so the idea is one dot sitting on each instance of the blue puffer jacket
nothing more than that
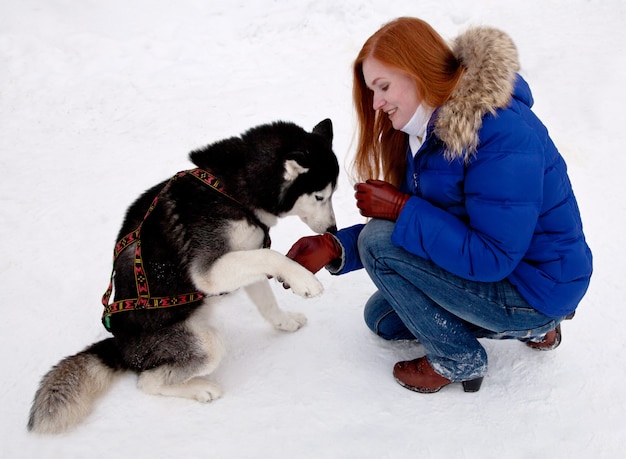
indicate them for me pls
(506, 212)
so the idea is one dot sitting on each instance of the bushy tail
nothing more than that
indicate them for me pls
(68, 391)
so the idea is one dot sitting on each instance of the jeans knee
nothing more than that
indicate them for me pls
(386, 323)
(371, 323)
(374, 239)
(391, 330)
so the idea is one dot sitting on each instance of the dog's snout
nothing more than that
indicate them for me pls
(332, 229)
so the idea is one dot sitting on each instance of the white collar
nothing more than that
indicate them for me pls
(416, 127)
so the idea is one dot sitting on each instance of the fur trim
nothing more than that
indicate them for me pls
(491, 65)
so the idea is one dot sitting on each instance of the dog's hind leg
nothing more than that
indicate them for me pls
(158, 382)
(188, 380)
(262, 296)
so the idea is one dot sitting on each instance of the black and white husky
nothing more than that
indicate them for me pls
(184, 243)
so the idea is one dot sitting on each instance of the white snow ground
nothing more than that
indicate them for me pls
(100, 100)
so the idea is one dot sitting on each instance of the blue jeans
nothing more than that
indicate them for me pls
(416, 299)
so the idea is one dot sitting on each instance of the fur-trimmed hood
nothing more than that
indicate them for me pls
(491, 65)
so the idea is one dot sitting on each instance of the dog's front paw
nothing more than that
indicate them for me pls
(290, 321)
(307, 288)
(305, 285)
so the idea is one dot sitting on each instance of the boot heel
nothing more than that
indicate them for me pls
(473, 385)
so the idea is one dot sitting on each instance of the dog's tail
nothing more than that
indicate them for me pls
(67, 393)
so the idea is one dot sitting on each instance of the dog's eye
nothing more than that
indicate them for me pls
(319, 198)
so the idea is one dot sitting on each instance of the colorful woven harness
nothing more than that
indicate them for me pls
(144, 300)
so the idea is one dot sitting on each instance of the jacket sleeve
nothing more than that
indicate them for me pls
(502, 188)
(350, 260)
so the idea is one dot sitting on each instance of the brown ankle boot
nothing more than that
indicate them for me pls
(417, 375)
(550, 340)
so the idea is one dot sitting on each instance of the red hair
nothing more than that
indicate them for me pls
(415, 48)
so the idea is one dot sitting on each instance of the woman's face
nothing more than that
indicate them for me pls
(395, 93)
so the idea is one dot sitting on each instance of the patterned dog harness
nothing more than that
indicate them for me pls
(144, 300)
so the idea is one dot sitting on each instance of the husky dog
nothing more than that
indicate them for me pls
(183, 243)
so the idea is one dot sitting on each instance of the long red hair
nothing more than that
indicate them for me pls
(414, 47)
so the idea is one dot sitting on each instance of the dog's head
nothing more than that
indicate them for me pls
(279, 168)
(310, 179)
(303, 171)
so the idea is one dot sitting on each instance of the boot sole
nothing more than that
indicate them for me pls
(473, 385)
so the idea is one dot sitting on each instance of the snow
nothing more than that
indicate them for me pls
(100, 100)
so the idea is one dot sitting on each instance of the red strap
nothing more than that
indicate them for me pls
(143, 299)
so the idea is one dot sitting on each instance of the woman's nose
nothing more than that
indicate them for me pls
(378, 103)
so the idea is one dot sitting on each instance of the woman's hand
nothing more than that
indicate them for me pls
(379, 199)
(315, 252)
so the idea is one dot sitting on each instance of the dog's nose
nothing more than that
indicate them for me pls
(332, 229)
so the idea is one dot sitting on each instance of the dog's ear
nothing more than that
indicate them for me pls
(293, 168)
(226, 151)
(325, 129)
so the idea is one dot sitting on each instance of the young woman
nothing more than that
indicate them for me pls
(474, 231)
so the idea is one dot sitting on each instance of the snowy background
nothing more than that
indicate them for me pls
(101, 99)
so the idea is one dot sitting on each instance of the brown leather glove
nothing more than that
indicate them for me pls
(315, 252)
(379, 199)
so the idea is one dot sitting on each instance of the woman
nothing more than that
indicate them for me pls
(474, 230)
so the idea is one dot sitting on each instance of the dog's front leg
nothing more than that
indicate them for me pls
(240, 268)
(263, 297)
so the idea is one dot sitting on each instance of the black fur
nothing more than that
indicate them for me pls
(190, 219)
(189, 227)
